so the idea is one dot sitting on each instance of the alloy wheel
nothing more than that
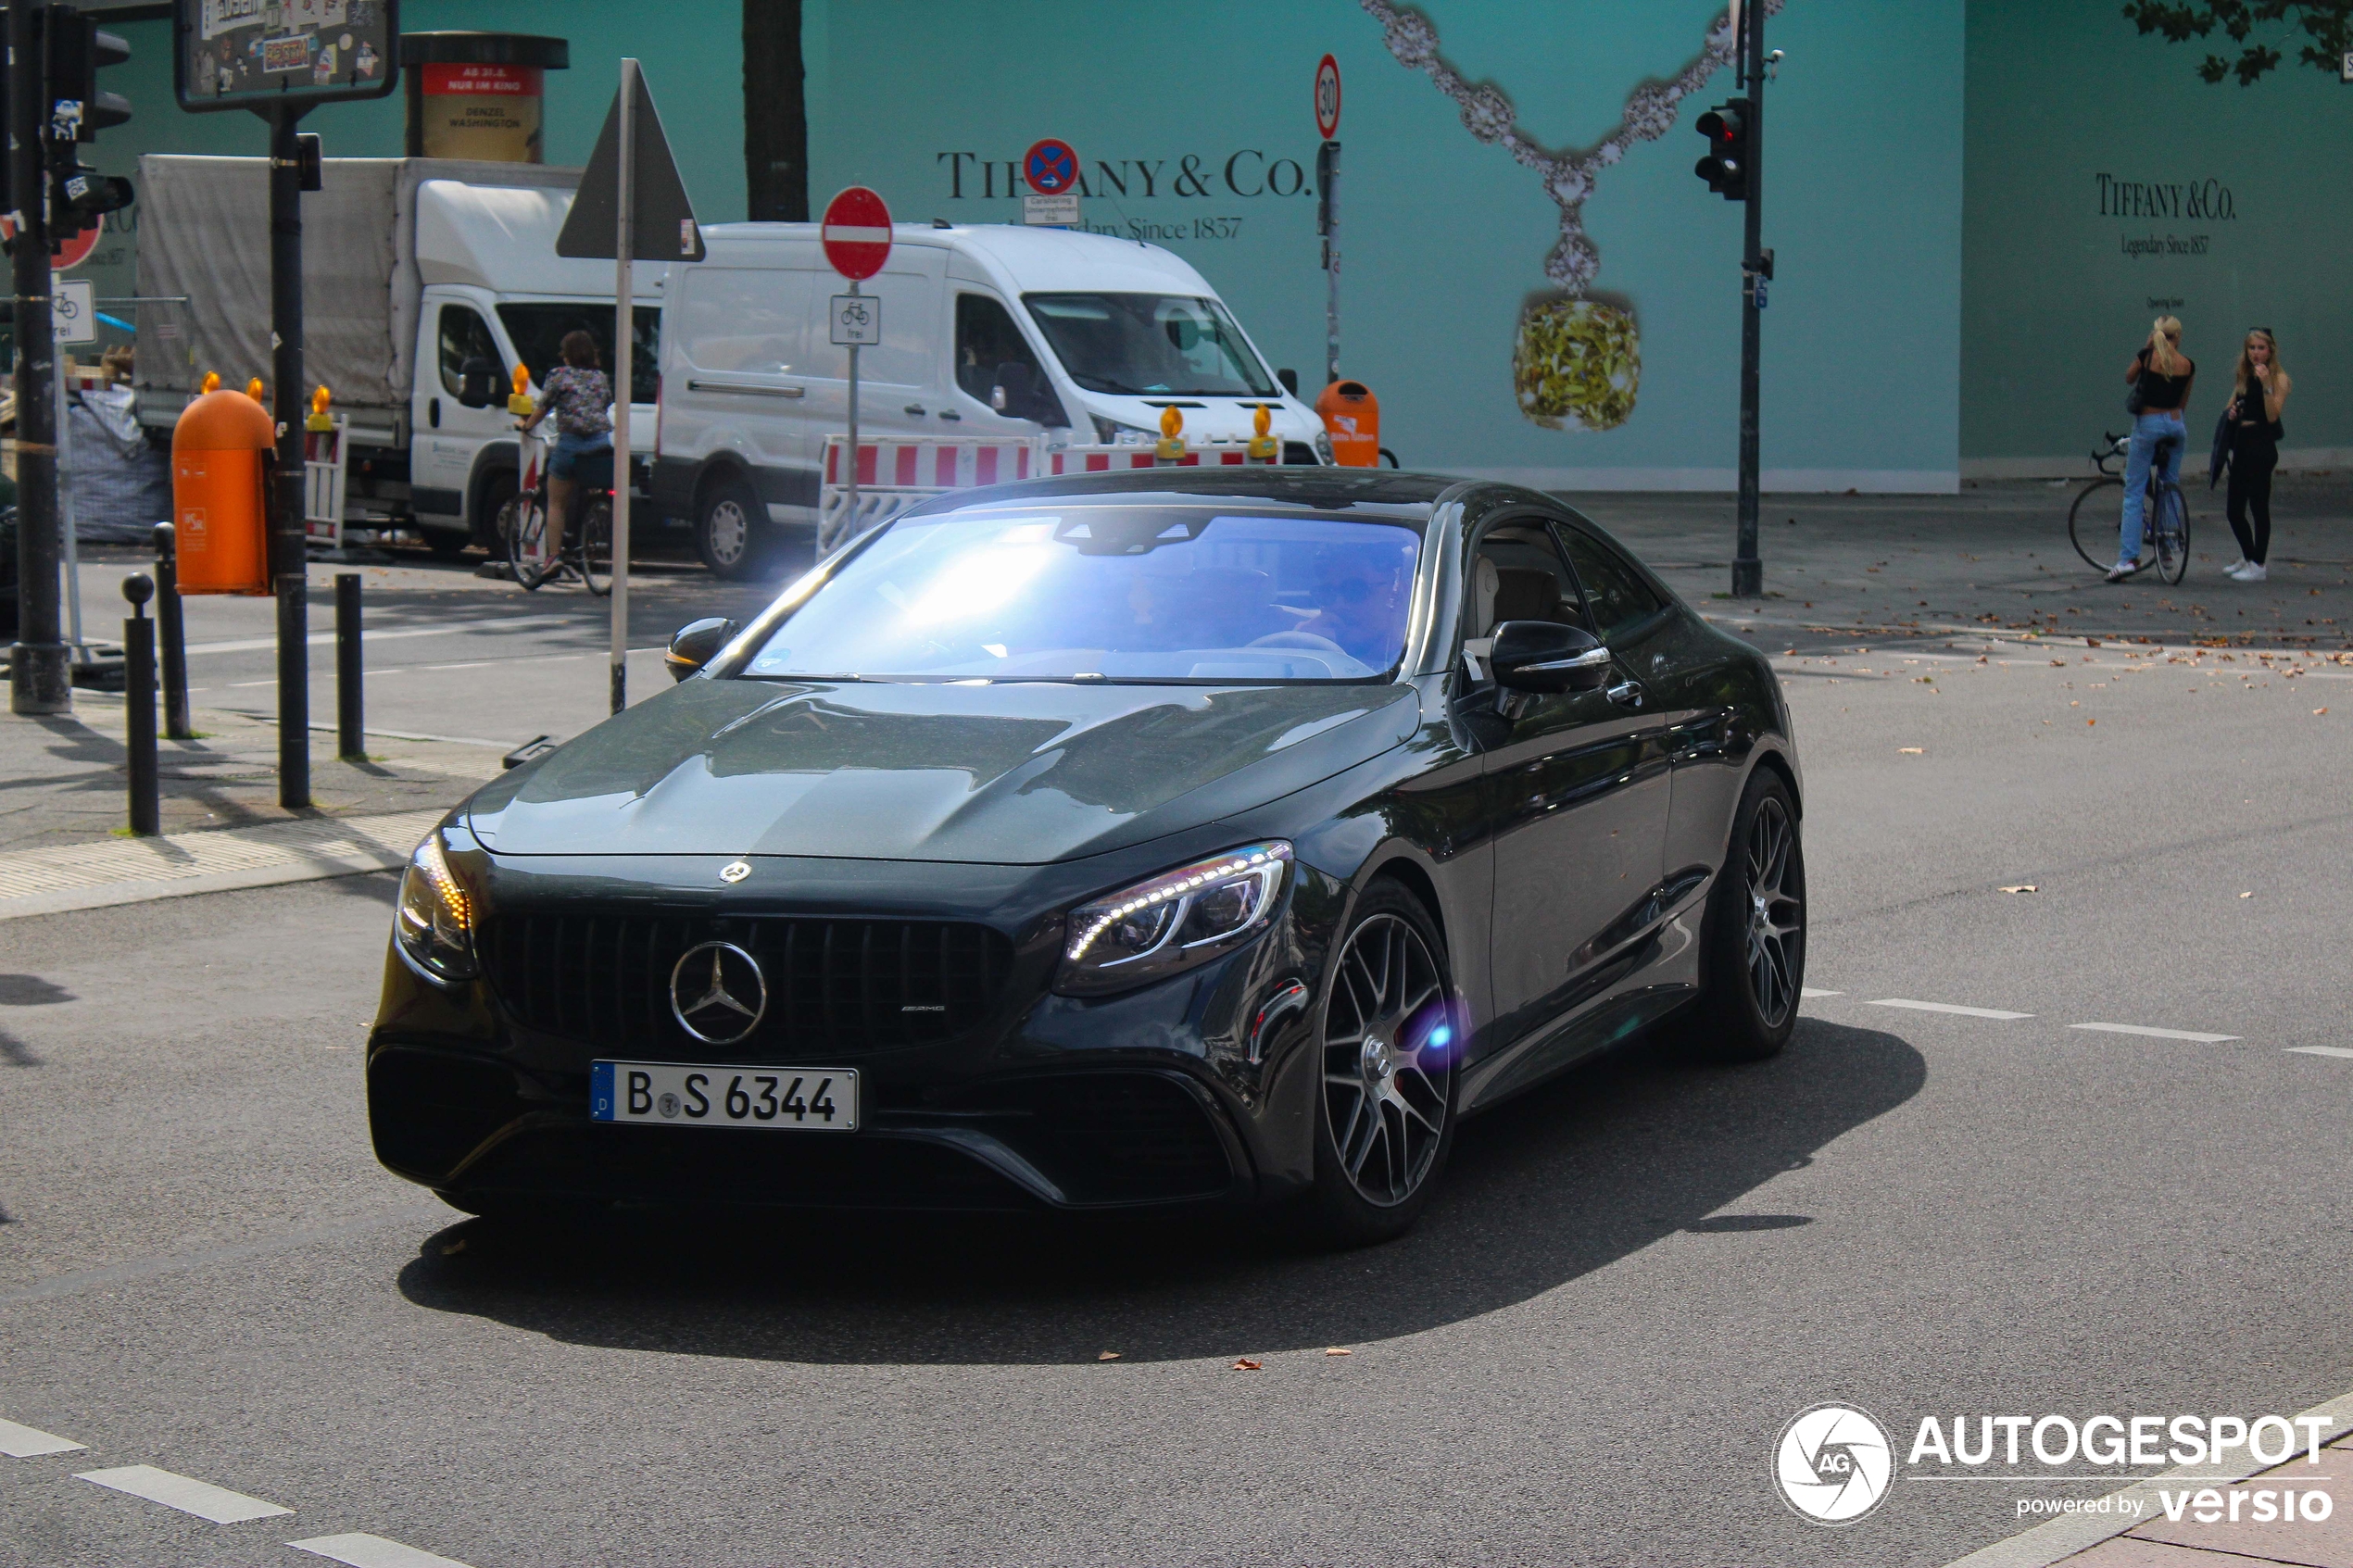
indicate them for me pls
(1389, 1056)
(1776, 890)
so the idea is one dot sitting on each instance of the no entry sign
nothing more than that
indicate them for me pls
(1051, 167)
(857, 232)
(1327, 97)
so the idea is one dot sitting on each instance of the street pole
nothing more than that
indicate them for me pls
(288, 554)
(849, 529)
(1748, 571)
(67, 531)
(40, 676)
(624, 337)
(1328, 189)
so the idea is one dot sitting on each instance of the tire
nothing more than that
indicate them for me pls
(2084, 529)
(1753, 951)
(596, 547)
(731, 524)
(523, 523)
(2171, 526)
(1385, 1115)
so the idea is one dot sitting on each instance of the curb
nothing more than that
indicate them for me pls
(133, 871)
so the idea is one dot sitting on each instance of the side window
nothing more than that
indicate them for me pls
(1618, 595)
(750, 320)
(985, 338)
(1518, 576)
(465, 336)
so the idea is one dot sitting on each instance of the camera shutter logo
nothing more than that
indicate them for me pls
(1833, 1464)
(717, 993)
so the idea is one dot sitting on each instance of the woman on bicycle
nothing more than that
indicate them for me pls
(2161, 375)
(2259, 391)
(578, 394)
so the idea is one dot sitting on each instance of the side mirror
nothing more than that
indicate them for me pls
(1542, 656)
(1013, 391)
(478, 383)
(696, 644)
(1289, 380)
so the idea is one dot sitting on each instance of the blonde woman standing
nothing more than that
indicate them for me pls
(2160, 376)
(2259, 391)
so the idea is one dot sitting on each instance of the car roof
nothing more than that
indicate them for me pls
(1321, 488)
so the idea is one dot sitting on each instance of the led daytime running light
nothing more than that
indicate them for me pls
(446, 885)
(1176, 885)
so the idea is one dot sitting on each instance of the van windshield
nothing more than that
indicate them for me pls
(1156, 594)
(538, 328)
(1138, 344)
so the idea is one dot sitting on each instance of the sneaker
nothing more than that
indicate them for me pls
(2253, 573)
(2235, 567)
(2121, 570)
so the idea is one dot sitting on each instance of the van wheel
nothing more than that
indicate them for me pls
(730, 529)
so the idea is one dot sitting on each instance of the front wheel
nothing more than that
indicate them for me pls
(2094, 530)
(2170, 521)
(1390, 1043)
(523, 523)
(1752, 956)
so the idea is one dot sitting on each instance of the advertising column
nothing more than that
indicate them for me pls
(478, 94)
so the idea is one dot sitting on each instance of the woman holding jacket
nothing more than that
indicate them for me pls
(2252, 423)
(2160, 376)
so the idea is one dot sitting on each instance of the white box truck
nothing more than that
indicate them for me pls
(425, 281)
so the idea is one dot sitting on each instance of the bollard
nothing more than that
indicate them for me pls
(351, 742)
(172, 635)
(139, 704)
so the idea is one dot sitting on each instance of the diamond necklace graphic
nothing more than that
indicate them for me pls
(1577, 364)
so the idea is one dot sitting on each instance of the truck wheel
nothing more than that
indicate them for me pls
(731, 527)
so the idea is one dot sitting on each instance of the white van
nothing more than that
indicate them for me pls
(987, 330)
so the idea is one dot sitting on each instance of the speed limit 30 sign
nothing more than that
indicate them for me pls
(1327, 97)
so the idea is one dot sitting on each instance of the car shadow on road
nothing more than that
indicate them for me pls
(1562, 1182)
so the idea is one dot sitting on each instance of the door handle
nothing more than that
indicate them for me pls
(1627, 694)
(916, 408)
(950, 414)
(698, 385)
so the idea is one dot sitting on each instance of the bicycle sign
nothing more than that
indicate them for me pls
(857, 318)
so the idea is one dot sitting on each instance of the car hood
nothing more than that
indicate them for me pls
(1015, 773)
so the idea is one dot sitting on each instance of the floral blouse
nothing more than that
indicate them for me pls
(580, 399)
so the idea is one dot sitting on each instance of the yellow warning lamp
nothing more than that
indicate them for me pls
(519, 405)
(253, 389)
(212, 382)
(1262, 446)
(320, 420)
(1172, 442)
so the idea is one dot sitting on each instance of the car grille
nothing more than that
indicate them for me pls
(833, 984)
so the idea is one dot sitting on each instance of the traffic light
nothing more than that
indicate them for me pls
(1725, 167)
(73, 52)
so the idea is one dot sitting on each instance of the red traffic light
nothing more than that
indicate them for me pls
(1724, 169)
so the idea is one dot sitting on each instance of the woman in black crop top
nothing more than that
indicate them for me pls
(2160, 376)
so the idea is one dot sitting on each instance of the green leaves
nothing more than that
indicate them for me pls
(2327, 23)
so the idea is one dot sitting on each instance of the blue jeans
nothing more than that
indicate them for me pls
(2147, 430)
(570, 448)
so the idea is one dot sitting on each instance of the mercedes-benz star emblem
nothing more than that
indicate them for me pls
(735, 872)
(717, 993)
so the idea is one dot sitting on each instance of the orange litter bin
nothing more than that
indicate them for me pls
(221, 451)
(1351, 417)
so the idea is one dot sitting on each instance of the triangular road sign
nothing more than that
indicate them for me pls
(664, 229)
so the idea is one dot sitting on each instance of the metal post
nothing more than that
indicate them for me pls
(351, 742)
(849, 529)
(39, 678)
(139, 705)
(625, 343)
(173, 630)
(67, 532)
(1327, 167)
(1748, 571)
(287, 564)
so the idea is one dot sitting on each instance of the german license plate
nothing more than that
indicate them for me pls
(671, 1094)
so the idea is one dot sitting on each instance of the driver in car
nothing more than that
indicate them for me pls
(1358, 605)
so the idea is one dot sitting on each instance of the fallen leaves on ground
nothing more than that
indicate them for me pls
(1245, 1363)
(1909, 750)
(1108, 1356)
(2023, 887)
(2247, 895)
(1337, 1350)
(2318, 711)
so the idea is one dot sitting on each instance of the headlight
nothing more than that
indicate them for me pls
(435, 921)
(1171, 922)
(1324, 446)
(1110, 433)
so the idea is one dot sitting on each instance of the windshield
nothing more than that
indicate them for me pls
(1136, 344)
(1108, 592)
(538, 330)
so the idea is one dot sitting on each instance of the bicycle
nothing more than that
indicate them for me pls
(587, 548)
(2166, 520)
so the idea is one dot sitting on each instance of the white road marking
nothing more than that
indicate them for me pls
(1811, 991)
(2155, 1033)
(2323, 1050)
(26, 1442)
(372, 1551)
(1947, 1006)
(477, 665)
(447, 628)
(200, 1498)
(236, 685)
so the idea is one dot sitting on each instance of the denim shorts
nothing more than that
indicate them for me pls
(570, 449)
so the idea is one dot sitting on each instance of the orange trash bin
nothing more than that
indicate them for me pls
(220, 461)
(1351, 417)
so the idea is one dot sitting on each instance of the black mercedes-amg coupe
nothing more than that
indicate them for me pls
(1173, 837)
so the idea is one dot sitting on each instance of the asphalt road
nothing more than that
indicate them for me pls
(1629, 1281)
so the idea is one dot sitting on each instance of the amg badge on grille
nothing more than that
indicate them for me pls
(735, 871)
